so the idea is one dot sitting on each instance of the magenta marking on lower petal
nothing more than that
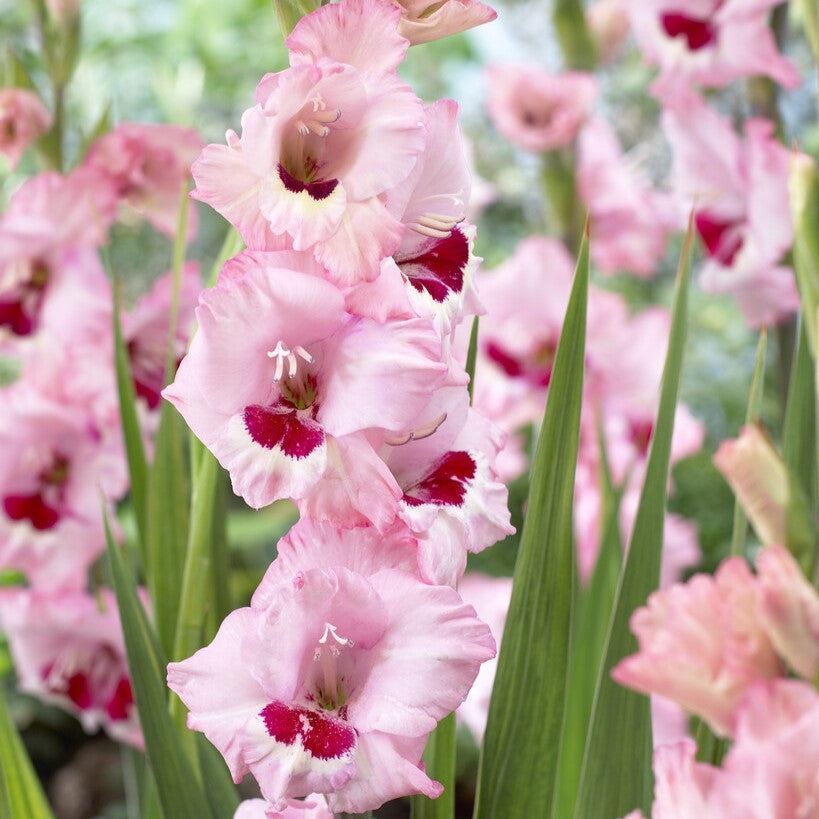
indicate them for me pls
(32, 508)
(119, 706)
(721, 238)
(316, 190)
(78, 690)
(323, 737)
(280, 426)
(14, 316)
(511, 366)
(641, 432)
(698, 33)
(440, 269)
(446, 484)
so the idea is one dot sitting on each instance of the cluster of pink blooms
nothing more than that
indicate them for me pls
(737, 183)
(721, 647)
(61, 448)
(323, 371)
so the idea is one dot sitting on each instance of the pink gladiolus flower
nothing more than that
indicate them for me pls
(536, 110)
(422, 21)
(50, 276)
(334, 682)
(631, 221)
(147, 166)
(430, 273)
(68, 650)
(145, 331)
(740, 191)
(708, 42)
(702, 644)
(23, 118)
(313, 807)
(325, 141)
(53, 463)
(280, 379)
(608, 25)
(772, 769)
(789, 608)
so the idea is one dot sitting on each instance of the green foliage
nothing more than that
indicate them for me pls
(439, 758)
(519, 762)
(617, 761)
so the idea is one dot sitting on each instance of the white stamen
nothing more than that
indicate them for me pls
(282, 354)
(318, 102)
(327, 116)
(431, 232)
(317, 128)
(416, 434)
(435, 225)
(302, 128)
(330, 631)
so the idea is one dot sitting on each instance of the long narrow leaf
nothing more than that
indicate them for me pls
(617, 763)
(740, 529)
(131, 432)
(177, 783)
(520, 753)
(20, 791)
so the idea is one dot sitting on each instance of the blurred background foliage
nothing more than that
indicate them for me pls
(196, 63)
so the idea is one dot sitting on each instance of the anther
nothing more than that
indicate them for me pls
(435, 225)
(330, 631)
(416, 434)
(282, 354)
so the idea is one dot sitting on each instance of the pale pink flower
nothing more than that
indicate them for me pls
(683, 787)
(23, 118)
(759, 478)
(325, 141)
(53, 464)
(772, 769)
(69, 650)
(452, 499)
(63, 10)
(702, 644)
(537, 110)
(669, 722)
(147, 166)
(490, 596)
(280, 379)
(708, 42)
(434, 261)
(313, 807)
(739, 189)
(422, 21)
(145, 331)
(789, 609)
(630, 220)
(333, 686)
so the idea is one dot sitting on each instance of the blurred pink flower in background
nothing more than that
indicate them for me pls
(630, 220)
(708, 42)
(422, 20)
(537, 110)
(147, 165)
(608, 25)
(739, 188)
(789, 608)
(68, 650)
(23, 118)
(702, 644)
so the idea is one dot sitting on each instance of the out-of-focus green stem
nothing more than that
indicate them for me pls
(573, 34)
(565, 210)
(439, 758)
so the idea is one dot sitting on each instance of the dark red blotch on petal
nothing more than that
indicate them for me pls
(78, 690)
(121, 700)
(33, 508)
(446, 484)
(440, 269)
(721, 238)
(322, 736)
(280, 426)
(316, 190)
(698, 33)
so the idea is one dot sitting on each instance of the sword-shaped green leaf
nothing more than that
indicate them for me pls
(616, 769)
(519, 761)
(177, 782)
(20, 791)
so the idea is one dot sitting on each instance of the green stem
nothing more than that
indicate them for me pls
(439, 758)
(576, 42)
